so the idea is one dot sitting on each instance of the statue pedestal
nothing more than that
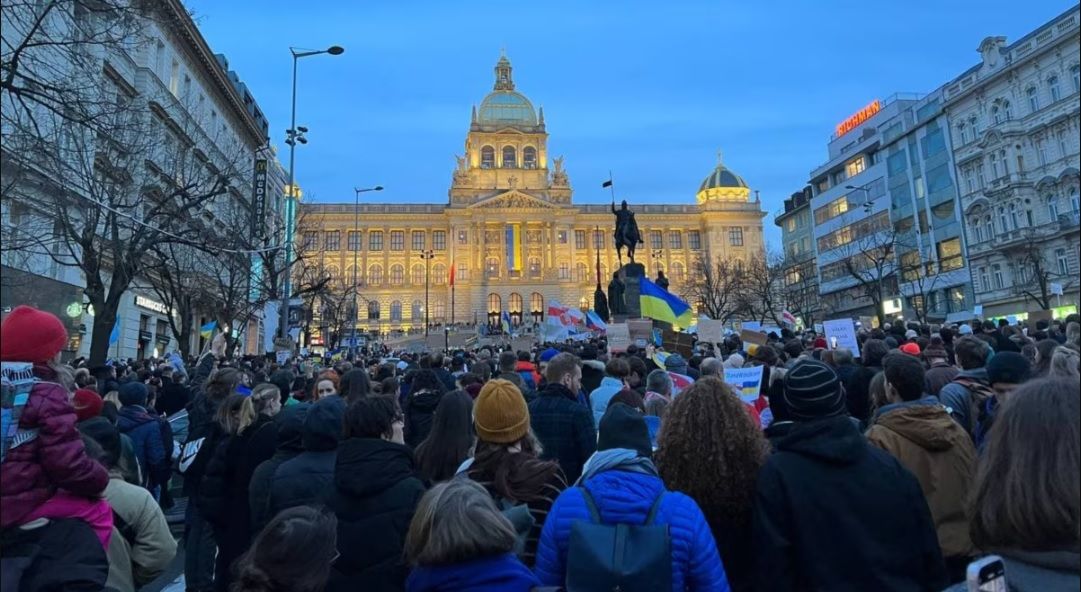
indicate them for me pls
(632, 274)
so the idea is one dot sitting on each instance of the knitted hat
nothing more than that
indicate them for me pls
(912, 349)
(935, 351)
(31, 335)
(676, 363)
(812, 390)
(820, 343)
(624, 427)
(132, 393)
(500, 414)
(548, 354)
(87, 404)
(1009, 368)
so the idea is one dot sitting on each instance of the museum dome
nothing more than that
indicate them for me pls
(506, 107)
(721, 177)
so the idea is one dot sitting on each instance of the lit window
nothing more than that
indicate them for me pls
(510, 159)
(487, 157)
(949, 254)
(418, 240)
(439, 240)
(397, 240)
(375, 241)
(529, 157)
(855, 167)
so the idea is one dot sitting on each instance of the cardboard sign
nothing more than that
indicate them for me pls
(710, 331)
(746, 381)
(755, 337)
(1037, 316)
(680, 343)
(640, 329)
(619, 337)
(842, 333)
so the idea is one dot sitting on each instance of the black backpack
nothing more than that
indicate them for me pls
(619, 557)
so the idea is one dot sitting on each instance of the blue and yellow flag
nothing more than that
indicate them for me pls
(662, 305)
(207, 329)
(336, 355)
(514, 247)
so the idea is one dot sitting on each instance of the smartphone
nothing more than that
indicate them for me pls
(987, 575)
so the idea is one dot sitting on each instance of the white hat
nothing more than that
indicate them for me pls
(965, 329)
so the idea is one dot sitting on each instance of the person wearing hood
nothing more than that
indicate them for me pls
(621, 482)
(917, 430)
(460, 541)
(151, 436)
(1026, 501)
(288, 444)
(305, 478)
(374, 494)
(562, 424)
(833, 512)
(419, 408)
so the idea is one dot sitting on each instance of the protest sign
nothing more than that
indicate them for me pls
(619, 337)
(750, 326)
(710, 330)
(755, 337)
(282, 356)
(640, 329)
(746, 381)
(842, 333)
(1037, 316)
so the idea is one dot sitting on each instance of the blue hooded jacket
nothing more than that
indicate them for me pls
(501, 573)
(626, 497)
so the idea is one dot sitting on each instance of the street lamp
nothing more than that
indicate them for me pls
(427, 255)
(294, 135)
(356, 250)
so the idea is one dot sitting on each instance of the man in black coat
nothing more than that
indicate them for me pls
(289, 445)
(562, 424)
(833, 512)
(305, 478)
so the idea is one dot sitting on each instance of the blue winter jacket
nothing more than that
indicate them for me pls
(625, 497)
(501, 573)
(602, 395)
(146, 435)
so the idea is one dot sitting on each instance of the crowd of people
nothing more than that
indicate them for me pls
(568, 466)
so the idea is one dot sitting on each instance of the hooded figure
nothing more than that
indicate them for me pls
(305, 478)
(290, 444)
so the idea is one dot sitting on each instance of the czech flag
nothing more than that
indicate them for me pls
(207, 329)
(663, 306)
(594, 321)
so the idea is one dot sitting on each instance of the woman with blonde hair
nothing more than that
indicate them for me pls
(252, 436)
(459, 540)
(710, 449)
(1065, 363)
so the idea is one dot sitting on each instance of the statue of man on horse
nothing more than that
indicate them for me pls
(626, 234)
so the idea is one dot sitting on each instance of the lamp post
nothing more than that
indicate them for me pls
(294, 135)
(427, 255)
(446, 339)
(356, 250)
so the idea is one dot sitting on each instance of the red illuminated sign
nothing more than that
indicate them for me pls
(858, 117)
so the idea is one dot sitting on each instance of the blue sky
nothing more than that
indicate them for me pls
(650, 91)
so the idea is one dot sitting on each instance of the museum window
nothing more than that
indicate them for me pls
(564, 271)
(735, 236)
(656, 239)
(675, 239)
(439, 309)
(463, 237)
(375, 275)
(495, 303)
(1053, 89)
(439, 240)
(417, 274)
(462, 273)
(677, 272)
(581, 272)
(529, 157)
(534, 267)
(579, 239)
(310, 239)
(439, 274)
(694, 240)
(333, 240)
(397, 275)
(373, 310)
(562, 237)
(353, 239)
(510, 159)
(416, 312)
(417, 239)
(396, 311)
(397, 240)
(487, 157)
(375, 240)
(491, 267)
(598, 239)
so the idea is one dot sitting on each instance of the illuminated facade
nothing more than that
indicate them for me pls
(510, 231)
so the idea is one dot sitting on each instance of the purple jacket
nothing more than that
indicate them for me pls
(54, 459)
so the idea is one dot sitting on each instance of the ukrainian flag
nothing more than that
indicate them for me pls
(208, 328)
(662, 305)
(514, 247)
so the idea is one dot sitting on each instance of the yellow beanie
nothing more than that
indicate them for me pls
(500, 414)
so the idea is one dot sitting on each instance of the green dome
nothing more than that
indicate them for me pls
(506, 107)
(722, 177)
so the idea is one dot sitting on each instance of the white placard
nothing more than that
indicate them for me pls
(710, 331)
(842, 333)
(619, 337)
(282, 356)
(977, 310)
(750, 326)
(746, 381)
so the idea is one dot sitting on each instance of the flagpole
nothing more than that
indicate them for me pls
(611, 186)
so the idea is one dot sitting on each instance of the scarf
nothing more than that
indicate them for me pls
(616, 459)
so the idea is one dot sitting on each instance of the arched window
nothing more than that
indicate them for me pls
(581, 272)
(439, 274)
(495, 303)
(397, 275)
(349, 278)
(974, 123)
(439, 310)
(536, 302)
(534, 267)
(1052, 207)
(417, 275)
(375, 275)
(677, 271)
(1053, 89)
(373, 310)
(996, 113)
(416, 313)
(529, 157)
(515, 302)
(487, 157)
(1033, 99)
(396, 311)
(510, 157)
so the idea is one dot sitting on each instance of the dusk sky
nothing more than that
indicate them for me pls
(649, 91)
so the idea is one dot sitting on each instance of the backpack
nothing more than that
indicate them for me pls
(619, 557)
(983, 421)
(17, 382)
(978, 394)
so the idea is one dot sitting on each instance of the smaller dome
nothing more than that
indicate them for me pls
(506, 107)
(722, 177)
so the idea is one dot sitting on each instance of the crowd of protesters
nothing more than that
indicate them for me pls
(563, 467)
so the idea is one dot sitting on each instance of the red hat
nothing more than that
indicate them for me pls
(31, 335)
(87, 404)
(911, 348)
(820, 343)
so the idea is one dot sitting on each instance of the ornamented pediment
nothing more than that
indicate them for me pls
(512, 199)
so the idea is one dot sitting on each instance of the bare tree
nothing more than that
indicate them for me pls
(715, 286)
(762, 293)
(870, 259)
(176, 279)
(1037, 274)
(919, 276)
(801, 292)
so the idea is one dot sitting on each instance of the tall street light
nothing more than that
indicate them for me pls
(427, 255)
(294, 135)
(356, 250)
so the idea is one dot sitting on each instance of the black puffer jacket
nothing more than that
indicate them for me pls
(290, 424)
(419, 412)
(306, 478)
(374, 497)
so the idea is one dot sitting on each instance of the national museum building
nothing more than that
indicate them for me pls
(511, 237)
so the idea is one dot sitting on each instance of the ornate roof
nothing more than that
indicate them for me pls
(722, 177)
(504, 106)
